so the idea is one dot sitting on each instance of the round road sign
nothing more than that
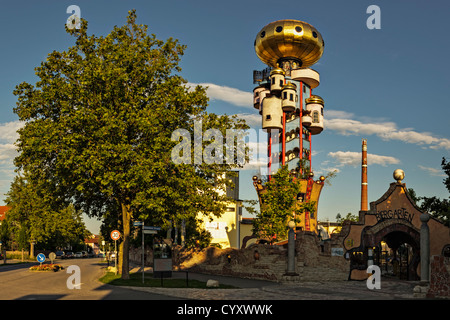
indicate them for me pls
(52, 256)
(40, 257)
(115, 234)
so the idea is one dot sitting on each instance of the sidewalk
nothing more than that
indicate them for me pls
(250, 289)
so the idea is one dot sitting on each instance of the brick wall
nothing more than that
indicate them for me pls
(314, 261)
(439, 277)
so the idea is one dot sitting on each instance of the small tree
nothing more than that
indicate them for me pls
(279, 205)
(438, 208)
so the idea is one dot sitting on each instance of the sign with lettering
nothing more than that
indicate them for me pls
(400, 213)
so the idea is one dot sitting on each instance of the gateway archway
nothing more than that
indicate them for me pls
(396, 250)
(388, 235)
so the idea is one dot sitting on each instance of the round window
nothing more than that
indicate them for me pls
(279, 29)
(263, 34)
(298, 29)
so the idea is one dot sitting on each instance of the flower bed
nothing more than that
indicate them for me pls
(47, 267)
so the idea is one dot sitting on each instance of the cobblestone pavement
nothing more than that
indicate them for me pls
(345, 290)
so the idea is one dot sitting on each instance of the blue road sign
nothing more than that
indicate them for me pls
(137, 223)
(40, 257)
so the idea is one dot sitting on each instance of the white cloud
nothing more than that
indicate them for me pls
(433, 171)
(253, 120)
(351, 158)
(231, 95)
(8, 131)
(339, 114)
(386, 131)
(7, 152)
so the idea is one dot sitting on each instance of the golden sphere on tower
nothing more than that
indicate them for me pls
(399, 175)
(289, 39)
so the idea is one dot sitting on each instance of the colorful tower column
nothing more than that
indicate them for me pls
(364, 200)
(290, 112)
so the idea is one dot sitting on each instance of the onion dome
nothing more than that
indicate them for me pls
(289, 40)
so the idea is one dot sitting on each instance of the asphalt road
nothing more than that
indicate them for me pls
(18, 283)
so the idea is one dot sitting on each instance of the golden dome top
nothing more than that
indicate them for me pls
(277, 71)
(289, 39)
(289, 85)
(314, 99)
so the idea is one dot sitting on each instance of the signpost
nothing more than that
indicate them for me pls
(40, 258)
(115, 235)
(52, 257)
(145, 230)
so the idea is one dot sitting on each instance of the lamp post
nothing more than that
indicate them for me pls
(424, 250)
(291, 250)
(238, 222)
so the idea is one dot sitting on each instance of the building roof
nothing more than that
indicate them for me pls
(92, 239)
(3, 210)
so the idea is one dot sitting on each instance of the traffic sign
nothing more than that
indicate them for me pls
(52, 256)
(137, 223)
(150, 231)
(152, 228)
(115, 234)
(40, 257)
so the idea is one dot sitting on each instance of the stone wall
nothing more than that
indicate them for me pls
(314, 261)
(439, 277)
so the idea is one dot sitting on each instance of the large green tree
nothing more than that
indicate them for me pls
(98, 130)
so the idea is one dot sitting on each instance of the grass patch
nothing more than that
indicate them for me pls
(136, 281)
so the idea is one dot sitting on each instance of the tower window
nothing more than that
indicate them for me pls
(291, 97)
(315, 118)
(281, 82)
(268, 117)
(285, 95)
(273, 80)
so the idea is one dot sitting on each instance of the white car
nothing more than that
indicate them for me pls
(78, 255)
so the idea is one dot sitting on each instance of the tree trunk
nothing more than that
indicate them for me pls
(124, 246)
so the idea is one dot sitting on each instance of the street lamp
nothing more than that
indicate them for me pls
(291, 249)
(238, 222)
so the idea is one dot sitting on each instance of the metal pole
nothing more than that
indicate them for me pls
(143, 252)
(424, 249)
(115, 256)
(291, 250)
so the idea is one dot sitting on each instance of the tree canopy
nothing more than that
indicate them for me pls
(279, 205)
(32, 217)
(98, 130)
(438, 208)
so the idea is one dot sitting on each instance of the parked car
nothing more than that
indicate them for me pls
(84, 253)
(78, 255)
(68, 254)
(59, 254)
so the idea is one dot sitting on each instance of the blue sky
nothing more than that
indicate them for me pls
(390, 86)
